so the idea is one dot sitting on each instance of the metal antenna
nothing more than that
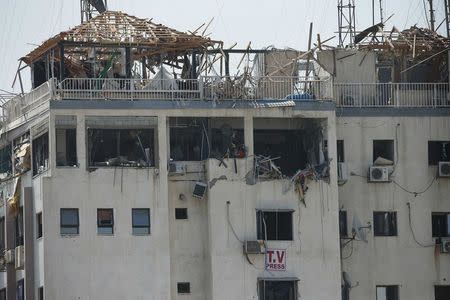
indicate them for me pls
(381, 12)
(432, 19)
(346, 22)
(447, 16)
(90, 8)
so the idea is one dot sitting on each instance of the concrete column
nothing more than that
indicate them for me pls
(29, 238)
(51, 142)
(10, 244)
(82, 155)
(248, 135)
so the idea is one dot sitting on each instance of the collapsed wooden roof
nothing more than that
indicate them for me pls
(114, 28)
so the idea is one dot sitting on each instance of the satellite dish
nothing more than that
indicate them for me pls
(347, 280)
(358, 229)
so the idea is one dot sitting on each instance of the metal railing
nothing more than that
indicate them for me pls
(392, 94)
(204, 88)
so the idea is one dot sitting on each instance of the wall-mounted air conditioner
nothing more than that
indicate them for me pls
(444, 169)
(252, 247)
(445, 246)
(379, 174)
(342, 172)
(177, 168)
(199, 190)
(9, 256)
(19, 257)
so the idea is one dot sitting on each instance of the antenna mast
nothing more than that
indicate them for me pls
(90, 8)
(447, 16)
(346, 22)
(432, 19)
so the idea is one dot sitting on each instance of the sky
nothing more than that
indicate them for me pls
(281, 23)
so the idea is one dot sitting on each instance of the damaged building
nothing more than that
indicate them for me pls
(160, 164)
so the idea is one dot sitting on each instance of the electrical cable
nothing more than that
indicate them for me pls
(229, 223)
(396, 158)
(412, 231)
(415, 193)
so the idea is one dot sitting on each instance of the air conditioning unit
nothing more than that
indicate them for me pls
(177, 168)
(342, 172)
(19, 257)
(445, 246)
(252, 247)
(444, 169)
(379, 174)
(199, 190)
(9, 256)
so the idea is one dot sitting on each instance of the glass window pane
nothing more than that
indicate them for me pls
(141, 230)
(69, 230)
(381, 293)
(104, 230)
(69, 217)
(141, 217)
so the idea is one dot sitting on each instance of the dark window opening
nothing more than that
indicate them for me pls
(20, 290)
(141, 221)
(288, 145)
(5, 160)
(121, 147)
(41, 293)
(70, 221)
(194, 139)
(39, 225)
(66, 147)
(383, 149)
(39, 73)
(385, 223)
(442, 292)
(105, 221)
(274, 225)
(343, 231)
(3, 294)
(184, 287)
(345, 292)
(388, 292)
(19, 227)
(438, 151)
(2, 234)
(340, 151)
(40, 154)
(181, 213)
(277, 290)
(440, 224)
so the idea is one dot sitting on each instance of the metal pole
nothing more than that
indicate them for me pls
(373, 12)
(432, 20)
(447, 13)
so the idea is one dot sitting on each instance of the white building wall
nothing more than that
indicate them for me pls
(397, 260)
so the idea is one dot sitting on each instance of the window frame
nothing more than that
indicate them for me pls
(394, 224)
(109, 226)
(185, 284)
(181, 213)
(439, 286)
(446, 216)
(66, 129)
(263, 235)
(39, 225)
(389, 286)
(261, 287)
(61, 225)
(133, 226)
(431, 160)
(392, 144)
(343, 231)
(340, 151)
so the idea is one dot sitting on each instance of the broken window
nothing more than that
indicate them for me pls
(438, 151)
(385, 223)
(70, 221)
(440, 224)
(340, 151)
(442, 292)
(383, 149)
(141, 221)
(19, 227)
(196, 139)
(293, 144)
(181, 213)
(121, 147)
(277, 289)
(274, 225)
(105, 221)
(388, 292)
(66, 147)
(343, 223)
(40, 154)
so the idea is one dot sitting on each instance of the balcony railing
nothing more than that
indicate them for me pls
(204, 88)
(392, 94)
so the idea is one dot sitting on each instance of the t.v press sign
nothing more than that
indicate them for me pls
(275, 260)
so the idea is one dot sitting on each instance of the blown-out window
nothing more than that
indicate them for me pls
(274, 225)
(385, 223)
